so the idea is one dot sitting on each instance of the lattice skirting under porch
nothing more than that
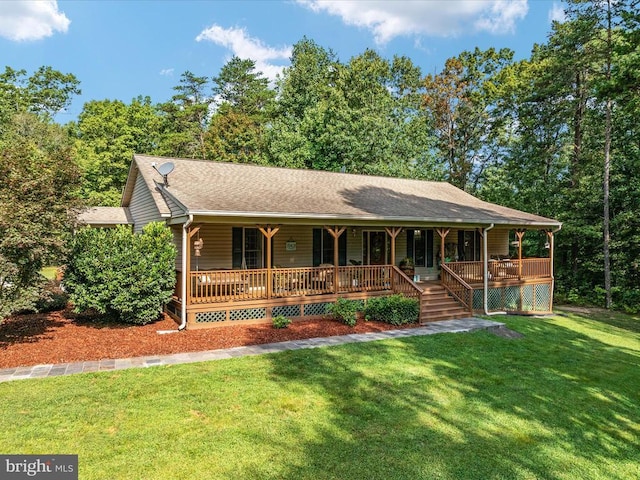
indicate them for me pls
(233, 313)
(242, 315)
(528, 298)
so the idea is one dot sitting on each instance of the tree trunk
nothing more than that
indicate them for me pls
(607, 167)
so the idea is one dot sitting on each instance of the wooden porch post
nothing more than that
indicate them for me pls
(393, 232)
(268, 232)
(550, 237)
(520, 234)
(335, 232)
(192, 232)
(443, 235)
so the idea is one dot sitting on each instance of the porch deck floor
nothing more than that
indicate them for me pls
(51, 370)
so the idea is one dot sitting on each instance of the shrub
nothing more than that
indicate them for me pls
(124, 275)
(346, 311)
(396, 310)
(52, 298)
(280, 321)
(629, 301)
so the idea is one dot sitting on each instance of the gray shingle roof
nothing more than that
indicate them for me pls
(98, 216)
(216, 188)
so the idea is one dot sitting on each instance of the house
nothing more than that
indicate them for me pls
(256, 242)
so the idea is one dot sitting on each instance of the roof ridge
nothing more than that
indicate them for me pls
(278, 167)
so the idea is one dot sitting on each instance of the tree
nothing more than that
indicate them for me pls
(243, 102)
(46, 92)
(108, 133)
(302, 87)
(461, 103)
(359, 117)
(185, 119)
(38, 191)
(569, 102)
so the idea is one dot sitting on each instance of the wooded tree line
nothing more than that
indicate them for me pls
(555, 134)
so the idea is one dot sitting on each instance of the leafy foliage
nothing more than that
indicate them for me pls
(346, 311)
(107, 134)
(38, 181)
(395, 309)
(280, 321)
(462, 103)
(46, 92)
(124, 275)
(184, 119)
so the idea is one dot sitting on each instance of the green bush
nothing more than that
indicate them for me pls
(346, 311)
(52, 298)
(396, 310)
(628, 301)
(120, 274)
(280, 321)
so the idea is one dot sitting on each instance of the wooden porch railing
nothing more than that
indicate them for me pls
(457, 287)
(211, 286)
(404, 285)
(528, 268)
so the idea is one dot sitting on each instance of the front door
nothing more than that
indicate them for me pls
(375, 248)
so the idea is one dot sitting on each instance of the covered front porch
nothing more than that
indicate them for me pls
(221, 295)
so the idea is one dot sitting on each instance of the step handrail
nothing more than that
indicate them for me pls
(457, 287)
(405, 285)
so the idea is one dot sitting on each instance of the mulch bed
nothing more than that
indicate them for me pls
(63, 337)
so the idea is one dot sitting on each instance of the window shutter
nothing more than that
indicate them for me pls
(236, 247)
(317, 246)
(410, 243)
(342, 249)
(429, 253)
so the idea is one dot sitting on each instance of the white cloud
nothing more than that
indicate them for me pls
(246, 47)
(166, 72)
(387, 20)
(31, 20)
(556, 14)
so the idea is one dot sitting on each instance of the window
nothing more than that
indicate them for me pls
(376, 249)
(420, 247)
(323, 247)
(469, 246)
(247, 248)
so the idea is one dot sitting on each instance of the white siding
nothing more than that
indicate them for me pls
(177, 241)
(303, 254)
(176, 210)
(498, 242)
(142, 207)
(216, 250)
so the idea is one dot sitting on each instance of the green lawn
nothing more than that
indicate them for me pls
(561, 403)
(49, 272)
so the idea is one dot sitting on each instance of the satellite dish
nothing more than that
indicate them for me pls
(165, 169)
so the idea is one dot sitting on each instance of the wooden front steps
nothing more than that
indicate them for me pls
(436, 304)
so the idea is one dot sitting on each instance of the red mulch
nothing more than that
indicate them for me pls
(63, 337)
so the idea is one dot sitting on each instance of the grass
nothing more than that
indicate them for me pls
(561, 403)
(49, 272)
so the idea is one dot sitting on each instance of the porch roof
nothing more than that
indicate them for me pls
(105, 216)
(210, 188)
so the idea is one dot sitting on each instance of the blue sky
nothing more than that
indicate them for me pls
(122, 49)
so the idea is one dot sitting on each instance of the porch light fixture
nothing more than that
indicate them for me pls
(197, 246)
(547, 245)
